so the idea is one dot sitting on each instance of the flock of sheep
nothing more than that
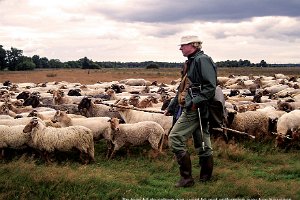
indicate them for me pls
(61, 116)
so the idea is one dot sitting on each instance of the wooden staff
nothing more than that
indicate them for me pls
(234, 131)
(132, 108)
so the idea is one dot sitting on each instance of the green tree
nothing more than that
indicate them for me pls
(85, 63)
(55, 63)
(44, 62)
(26, 64)
(263, 64)
(2, 58)
(14, 57)
(36, 60)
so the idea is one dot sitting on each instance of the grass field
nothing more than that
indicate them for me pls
(243, 170)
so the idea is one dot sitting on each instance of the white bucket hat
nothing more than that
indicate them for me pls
(189, 39)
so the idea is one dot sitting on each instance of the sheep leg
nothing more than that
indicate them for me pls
(2, 154)
(112, 154)
(83, 158)
(162, 143)
(109, 148)
(46, 157)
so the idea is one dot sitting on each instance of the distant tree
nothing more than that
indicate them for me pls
(36, 60)
(26, 64)
(152, 66)
(14, 57)
(263, 64)
(44, 62)
(72, 64)
(2, 58)
(85, 63)
(55, 63)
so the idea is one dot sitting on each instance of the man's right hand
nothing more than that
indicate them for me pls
(167, 113)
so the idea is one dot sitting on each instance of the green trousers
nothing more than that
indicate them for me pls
(188, 126)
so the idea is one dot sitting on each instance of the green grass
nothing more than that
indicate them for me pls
(240, 171)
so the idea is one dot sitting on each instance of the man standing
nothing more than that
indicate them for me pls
(196, 89)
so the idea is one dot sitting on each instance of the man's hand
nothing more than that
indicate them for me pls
(194, 107)
(167, 113)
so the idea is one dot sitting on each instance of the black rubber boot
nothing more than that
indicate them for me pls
(207, 164)
(185, 168)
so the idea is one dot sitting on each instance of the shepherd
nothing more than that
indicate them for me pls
(197, 88)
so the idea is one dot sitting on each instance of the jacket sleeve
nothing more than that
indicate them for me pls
(208, 80)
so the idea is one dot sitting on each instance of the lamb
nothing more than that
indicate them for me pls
(97, 124)
(287, 122)
(49, 139)
(135, 134)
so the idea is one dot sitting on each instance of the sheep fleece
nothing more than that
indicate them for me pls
(138, 133)
(63, 139)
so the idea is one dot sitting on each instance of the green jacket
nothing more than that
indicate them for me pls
(201, 71)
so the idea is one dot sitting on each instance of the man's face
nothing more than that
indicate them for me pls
(187, 49)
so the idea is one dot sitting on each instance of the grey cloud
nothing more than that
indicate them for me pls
(206, 10)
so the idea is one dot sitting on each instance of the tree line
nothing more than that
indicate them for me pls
(14, 60)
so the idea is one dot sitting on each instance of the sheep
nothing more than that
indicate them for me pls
(89, 109)
(134, 116)
(96, 124)
(288, 121)
(288, 127)
(49, 139)
(18, 110)
(135, 134)
(288, 106)
(252, 122)
(135, 82)
(13, 137)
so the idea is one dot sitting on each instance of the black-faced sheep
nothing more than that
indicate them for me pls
(49, 139)
(89, 109)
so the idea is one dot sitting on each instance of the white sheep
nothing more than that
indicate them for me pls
(96, 124)
(48, 139)
(134, 134)
(288, 121)
(286, 125)
(134, 116)
(13, 137)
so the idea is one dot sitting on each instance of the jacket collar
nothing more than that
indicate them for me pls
(193, 55)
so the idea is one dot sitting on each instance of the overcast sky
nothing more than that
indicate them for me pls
(150, 30)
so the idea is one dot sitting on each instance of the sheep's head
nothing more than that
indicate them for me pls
(122, 104)
(58, 116)
(84, 103)
(134, 100)
(4, 109)
(33, 113)
(114, 123)
(33, 123)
